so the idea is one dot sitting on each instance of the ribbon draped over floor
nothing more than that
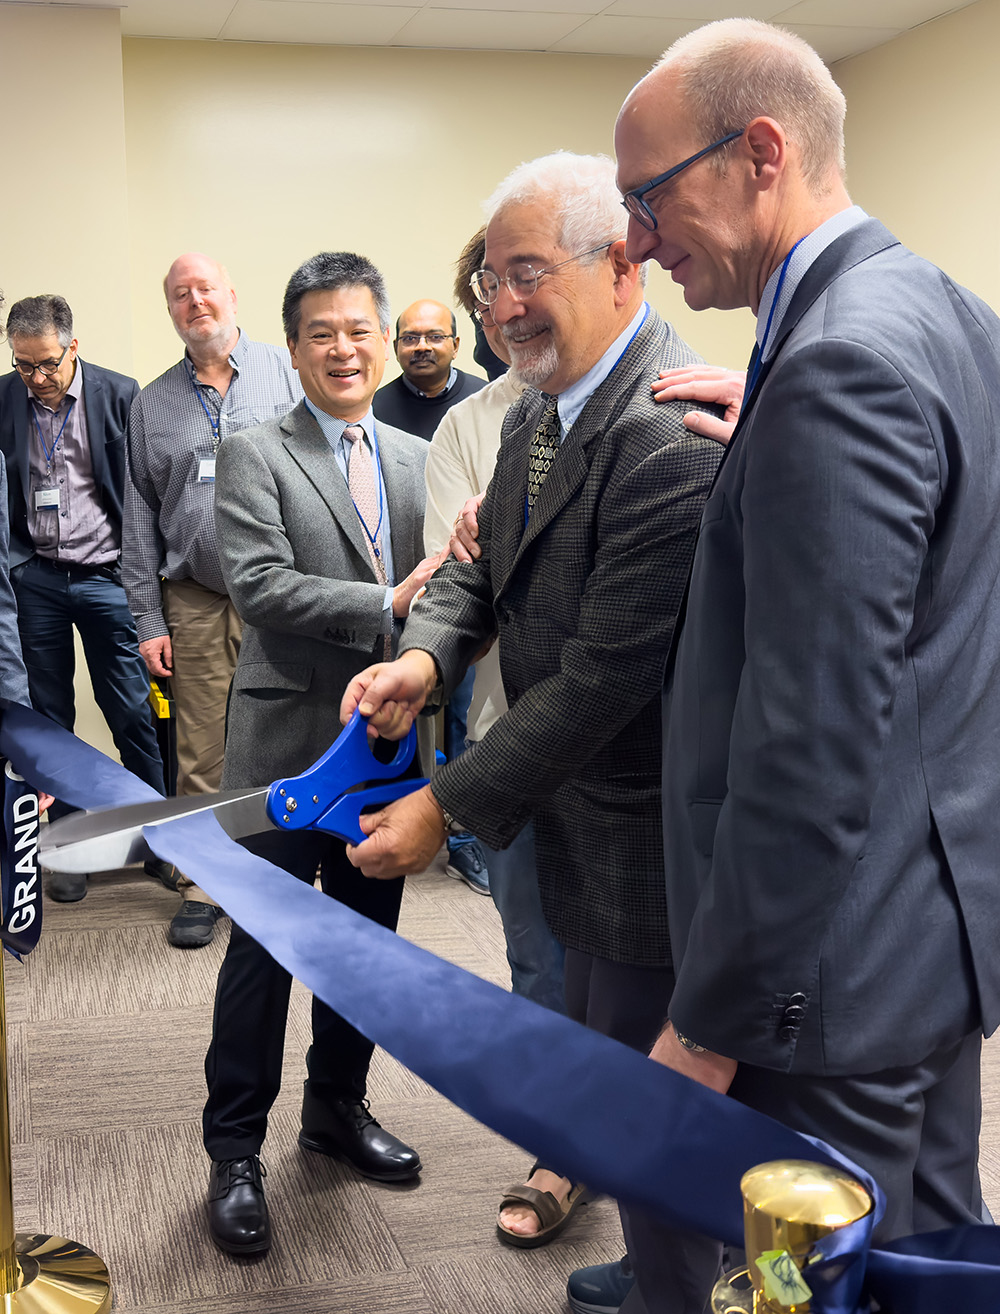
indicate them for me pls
(601, 1112)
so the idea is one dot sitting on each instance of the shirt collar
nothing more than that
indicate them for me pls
(803, 256)
(573, 399)
(452, 377)
(333, 428)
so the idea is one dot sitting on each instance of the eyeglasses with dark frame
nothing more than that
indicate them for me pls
(415, 339)
(633, 200)
(44, 367)
(521, 279)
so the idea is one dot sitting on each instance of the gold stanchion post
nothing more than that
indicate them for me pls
(40, 1274)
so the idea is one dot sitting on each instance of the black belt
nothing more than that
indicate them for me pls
(75, 567)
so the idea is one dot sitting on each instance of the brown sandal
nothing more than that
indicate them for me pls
(553, 1214)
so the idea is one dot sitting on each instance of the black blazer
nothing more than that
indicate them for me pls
(584, 601)
(831, 792)
(107, 397)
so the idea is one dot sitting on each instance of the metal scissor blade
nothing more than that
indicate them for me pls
(112, 838)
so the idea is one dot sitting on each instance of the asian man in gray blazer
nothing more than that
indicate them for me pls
(319, 514)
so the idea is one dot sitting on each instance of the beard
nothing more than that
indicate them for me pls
(535, 360)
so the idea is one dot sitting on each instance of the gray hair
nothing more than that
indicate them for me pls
(328, 272)
(581, 191)
(34, 317)
(738, 69)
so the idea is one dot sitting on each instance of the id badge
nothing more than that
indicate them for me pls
(206, 470)
(46, 499)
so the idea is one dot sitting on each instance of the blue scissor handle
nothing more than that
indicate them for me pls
(342, 818)
(299, 802)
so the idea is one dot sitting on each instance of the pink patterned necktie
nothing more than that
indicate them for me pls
(362, 486)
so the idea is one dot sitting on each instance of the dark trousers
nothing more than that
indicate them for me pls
(50, 601)
(243, 1065)
(915, 1129)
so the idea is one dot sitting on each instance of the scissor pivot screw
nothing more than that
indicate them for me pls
(286, 817)
(315, 798)
(281, 792)
(291, 805)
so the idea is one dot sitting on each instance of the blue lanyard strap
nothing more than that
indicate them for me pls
(50, 451)
(372, 538)
(758, 364)
(208, 414)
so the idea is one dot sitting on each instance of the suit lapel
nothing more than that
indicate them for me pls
(24, 432)
(570, 468)
(850, 249)
(94, 407)
(306, 444)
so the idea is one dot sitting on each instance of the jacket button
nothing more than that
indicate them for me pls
(794, 1013)
(788, 1033)
(797, 998)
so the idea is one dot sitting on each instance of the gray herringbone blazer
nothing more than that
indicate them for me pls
(584, 601)
(298, 572)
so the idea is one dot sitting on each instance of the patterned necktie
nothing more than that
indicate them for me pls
(361, 483)
(544, 446)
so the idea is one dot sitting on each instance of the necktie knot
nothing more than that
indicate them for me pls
(353, 432)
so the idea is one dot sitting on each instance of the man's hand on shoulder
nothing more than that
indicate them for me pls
(403, 837)
(714, 1070)
(158, 654)
(711, 384)
(462, 545)
(391, 694)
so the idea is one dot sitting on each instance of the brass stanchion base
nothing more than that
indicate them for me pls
(734, 1293)
(57, 1277)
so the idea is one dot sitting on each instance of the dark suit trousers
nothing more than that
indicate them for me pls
(243, 1064)
(916, 1130)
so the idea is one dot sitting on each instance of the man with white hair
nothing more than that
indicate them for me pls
(831, 801)
(188, 629)
(585, 540)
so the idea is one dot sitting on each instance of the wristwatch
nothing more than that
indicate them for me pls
(688, 1043)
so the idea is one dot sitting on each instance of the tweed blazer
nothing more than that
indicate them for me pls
(584, 599)
(298, 571)
(831, 793)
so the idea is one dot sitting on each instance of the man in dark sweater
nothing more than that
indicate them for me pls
(426, 345)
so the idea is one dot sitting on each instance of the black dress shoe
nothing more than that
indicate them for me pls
(349, 1132)
(67, 886)
(237, 1211)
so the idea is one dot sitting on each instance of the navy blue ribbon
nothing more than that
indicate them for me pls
(672, 1147)
(20, 883)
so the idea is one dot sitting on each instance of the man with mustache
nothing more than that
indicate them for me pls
(585, 538)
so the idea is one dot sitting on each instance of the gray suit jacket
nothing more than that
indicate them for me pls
(831, 791)
(298, 572)
(584, 600)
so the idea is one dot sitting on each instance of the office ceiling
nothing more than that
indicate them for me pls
(836, 28)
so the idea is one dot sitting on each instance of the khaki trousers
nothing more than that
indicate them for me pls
(205, 637)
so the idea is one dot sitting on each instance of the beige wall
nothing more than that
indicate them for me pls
(64, 211)
(922, 149)
(264, 154)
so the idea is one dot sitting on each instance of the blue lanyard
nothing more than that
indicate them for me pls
(50, 451)
(758, 364)
(208, 414)
(372, 538)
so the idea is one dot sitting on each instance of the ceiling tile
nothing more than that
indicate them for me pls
(305, 22)
(833, 43)
(862, 13)
(645, 37)
(693, 12)
(585, 8)
(186, 19)
(481, 29)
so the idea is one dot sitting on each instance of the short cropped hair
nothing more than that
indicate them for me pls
(738, 69)
(471, 259)
(581, 191)
(34, 317)
(327, 272)
(454, 325)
